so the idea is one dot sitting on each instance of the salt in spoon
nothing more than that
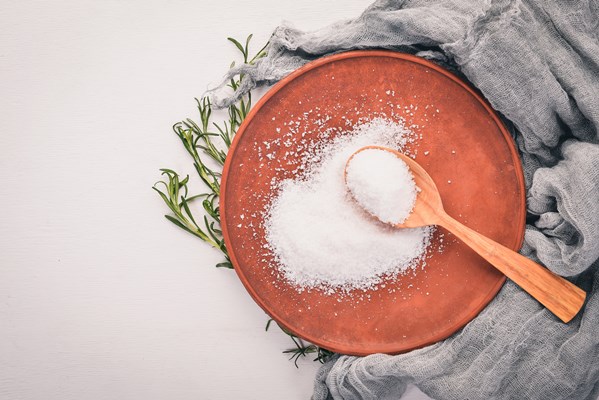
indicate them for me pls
(558, 295)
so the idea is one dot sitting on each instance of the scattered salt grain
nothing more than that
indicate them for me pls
(320, 237)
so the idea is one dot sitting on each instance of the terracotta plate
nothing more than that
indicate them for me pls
(469, 154)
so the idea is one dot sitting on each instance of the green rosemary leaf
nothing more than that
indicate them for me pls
(188, 212)
(247, 45)
(197, 196)
(199, 143)
(268, 324)
(166, 199)
(205, 109)
(179, 224)
(209, 208)
(207, 224)
(183, 184)
(239, 46)
(260, 54)
(168, 172)
(323, 355)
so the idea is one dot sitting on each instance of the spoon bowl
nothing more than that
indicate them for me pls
(558, 295)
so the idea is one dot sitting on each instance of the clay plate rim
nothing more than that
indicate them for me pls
(331, 345)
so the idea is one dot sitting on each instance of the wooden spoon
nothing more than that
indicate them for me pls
(558, 295)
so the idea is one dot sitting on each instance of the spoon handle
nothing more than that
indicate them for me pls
(558, 295)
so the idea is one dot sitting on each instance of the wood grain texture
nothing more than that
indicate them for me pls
(100, 296)
(558, 295)
(561, 297)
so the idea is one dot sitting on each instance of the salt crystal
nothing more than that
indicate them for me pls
(383, 184)
(320, 237)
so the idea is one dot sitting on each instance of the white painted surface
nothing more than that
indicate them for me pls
(100, 297)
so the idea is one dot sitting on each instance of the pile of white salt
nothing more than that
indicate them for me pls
(382, 183)
(321, 238)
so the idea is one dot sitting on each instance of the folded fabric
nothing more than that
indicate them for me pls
(537, 63)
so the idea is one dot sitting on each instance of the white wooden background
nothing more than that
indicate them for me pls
(101, 297)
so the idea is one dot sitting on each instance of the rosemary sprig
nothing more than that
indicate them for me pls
(201, 140)
(301, 349)
(176, 197)
(208, 140)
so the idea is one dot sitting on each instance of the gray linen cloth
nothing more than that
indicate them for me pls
(538, 64)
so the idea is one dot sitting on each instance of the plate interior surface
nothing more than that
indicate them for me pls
(463, 146)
